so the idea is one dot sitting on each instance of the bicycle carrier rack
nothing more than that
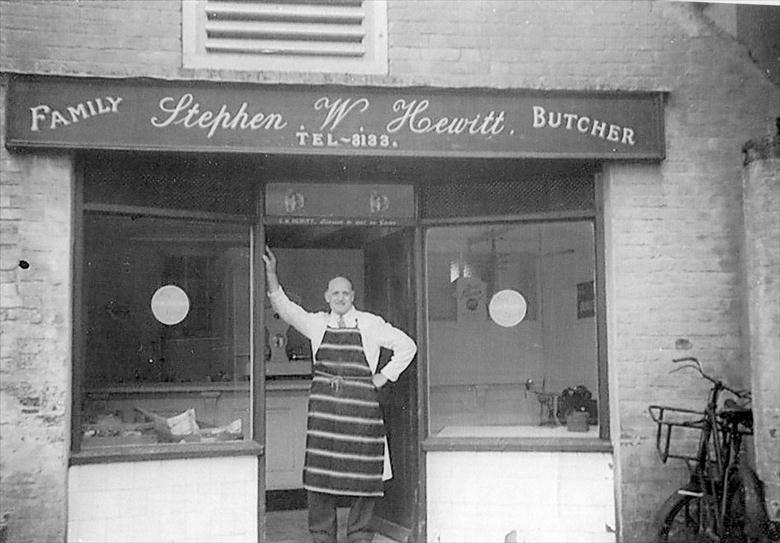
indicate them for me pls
(674, 422)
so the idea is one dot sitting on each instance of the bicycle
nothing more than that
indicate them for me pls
(723, 500)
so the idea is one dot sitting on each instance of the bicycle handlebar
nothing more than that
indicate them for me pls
(695, 364)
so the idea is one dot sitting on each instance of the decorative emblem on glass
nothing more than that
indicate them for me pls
(507, 308)
(170, 304)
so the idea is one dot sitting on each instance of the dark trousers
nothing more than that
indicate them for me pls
(323, 519)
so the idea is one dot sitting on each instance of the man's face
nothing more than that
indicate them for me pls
(340, 295)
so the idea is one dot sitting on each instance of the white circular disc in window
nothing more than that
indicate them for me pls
(507, 308)
(170, 304)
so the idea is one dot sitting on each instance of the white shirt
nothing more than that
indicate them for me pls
(374, 331)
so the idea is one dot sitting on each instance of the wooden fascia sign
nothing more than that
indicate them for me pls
(142, 114)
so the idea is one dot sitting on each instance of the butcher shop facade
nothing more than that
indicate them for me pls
(471, 219)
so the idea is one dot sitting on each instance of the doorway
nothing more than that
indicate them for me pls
(380, 263)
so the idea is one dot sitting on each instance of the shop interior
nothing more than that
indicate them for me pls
(510, 327)
(308, 257)
(167, 330)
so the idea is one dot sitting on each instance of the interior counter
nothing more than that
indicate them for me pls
(111, 417)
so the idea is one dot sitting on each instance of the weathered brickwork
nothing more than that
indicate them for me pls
(673, 230)
(568, 45)
(35, 307)
(761, 253)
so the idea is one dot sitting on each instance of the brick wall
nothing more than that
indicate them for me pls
(675, 266)
(570, 45)
(35, 293)
(674, 228)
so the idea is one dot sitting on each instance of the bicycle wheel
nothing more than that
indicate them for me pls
(681, 518)
(745, 519)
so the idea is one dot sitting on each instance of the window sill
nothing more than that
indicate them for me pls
(517, 444)
(165, 451)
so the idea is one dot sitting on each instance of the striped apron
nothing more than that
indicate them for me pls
(345, 430)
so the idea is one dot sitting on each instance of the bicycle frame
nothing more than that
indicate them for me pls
(711, 467)
(718, 455)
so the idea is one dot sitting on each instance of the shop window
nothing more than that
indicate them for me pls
(166, 320)
(510, 276)
(511, 329)
(347, 36)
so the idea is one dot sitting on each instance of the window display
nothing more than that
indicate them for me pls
(507, 338)
(167, 320)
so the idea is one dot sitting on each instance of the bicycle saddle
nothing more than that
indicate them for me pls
(734, 413)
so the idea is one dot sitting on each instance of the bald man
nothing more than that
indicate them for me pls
(346, 447)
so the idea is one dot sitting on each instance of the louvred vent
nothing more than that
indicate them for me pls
(322, 28)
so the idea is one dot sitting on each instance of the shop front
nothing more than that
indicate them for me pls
(472, 219)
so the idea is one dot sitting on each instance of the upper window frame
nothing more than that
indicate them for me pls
(374, 61)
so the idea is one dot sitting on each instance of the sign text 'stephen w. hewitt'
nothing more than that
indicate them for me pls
(64, 112)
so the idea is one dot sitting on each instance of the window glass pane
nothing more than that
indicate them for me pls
(206, 183)
(167, 350)
(510, 191)
(512, 329)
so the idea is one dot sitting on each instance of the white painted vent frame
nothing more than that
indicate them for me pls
(331, 36)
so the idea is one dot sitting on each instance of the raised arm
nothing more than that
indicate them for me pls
(270, 270)
(290, 312)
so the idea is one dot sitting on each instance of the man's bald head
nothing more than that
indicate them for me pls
(340, 295)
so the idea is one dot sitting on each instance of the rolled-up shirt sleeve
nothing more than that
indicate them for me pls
(403, 347)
